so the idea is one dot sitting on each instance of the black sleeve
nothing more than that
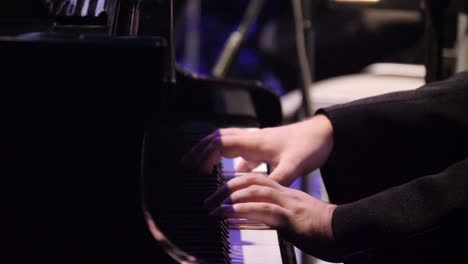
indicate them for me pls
(399, 164)
(413, 209)
(388, 140)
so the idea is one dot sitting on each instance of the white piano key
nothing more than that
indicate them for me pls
(245, 224)
(84, 10)
(70, 10)
(254, 247)
(230, 165)
(255, 254)
(253, 237)
(100, 7)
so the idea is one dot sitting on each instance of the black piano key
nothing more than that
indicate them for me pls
(78, 7)
(92, 8)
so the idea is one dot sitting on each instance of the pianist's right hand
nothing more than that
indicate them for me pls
(300, 218)
(293, 150)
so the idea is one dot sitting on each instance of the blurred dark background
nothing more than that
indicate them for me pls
(347, 39)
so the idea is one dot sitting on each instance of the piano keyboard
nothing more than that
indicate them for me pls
(187, 224)
(183, 227)
(254, 246)
(250, 242)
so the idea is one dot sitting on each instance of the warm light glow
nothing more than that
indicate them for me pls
(357, 1)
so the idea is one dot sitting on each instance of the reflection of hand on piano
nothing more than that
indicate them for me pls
(299, 217)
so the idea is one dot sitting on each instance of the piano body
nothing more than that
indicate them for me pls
(95, 118)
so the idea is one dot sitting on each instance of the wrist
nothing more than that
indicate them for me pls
(327, 137)
(328, 220)
(329, 248)
(320, 130)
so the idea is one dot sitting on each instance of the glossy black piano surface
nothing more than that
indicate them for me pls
(73, 115)
(83, 104)
(75, 111)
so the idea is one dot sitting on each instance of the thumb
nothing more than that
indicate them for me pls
(284, 173)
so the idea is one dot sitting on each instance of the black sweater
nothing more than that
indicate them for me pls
(399, 172)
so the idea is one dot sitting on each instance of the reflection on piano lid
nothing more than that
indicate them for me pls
(78, 7)
(85, 15)
(75, 16)
(44, 8)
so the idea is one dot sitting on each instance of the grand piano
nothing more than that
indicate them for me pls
(95, 120)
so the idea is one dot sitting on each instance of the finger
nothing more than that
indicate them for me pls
(230, 146)
(190, 160)
(247, 166)
(219, 145)
(284, 173)
(270, 214)
(239, 183)
(258, 193)
(231, 131)
(248, 145)
(209, 157)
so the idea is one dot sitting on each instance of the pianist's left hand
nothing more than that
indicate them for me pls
(299, 217)
(293, 150)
